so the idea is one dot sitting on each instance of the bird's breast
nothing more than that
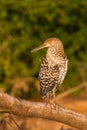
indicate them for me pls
(61, 62)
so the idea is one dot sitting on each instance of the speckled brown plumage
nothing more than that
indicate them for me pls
(53, 67)
(49, 77)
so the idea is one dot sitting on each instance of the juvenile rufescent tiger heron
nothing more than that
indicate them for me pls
(53, 67)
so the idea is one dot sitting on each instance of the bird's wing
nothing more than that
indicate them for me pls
(48, 76)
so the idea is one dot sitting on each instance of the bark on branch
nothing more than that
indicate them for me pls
(24, 108)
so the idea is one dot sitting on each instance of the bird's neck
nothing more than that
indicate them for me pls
(54, 56)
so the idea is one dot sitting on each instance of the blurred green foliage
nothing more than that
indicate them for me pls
(25, 24)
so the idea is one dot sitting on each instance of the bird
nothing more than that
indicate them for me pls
(53, 68)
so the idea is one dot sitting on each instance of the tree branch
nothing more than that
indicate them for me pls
(67, 92)
(24, 108)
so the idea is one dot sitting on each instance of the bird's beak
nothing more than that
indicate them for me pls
(40, 47)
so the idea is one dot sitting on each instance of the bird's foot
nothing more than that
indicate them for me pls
(51, 103)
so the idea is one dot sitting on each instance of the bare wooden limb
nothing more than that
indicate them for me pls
(24, 108)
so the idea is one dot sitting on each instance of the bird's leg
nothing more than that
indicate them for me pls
(49, 101)
(47, 98)
(54, 97)
(54, 94)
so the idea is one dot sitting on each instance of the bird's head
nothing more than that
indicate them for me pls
(49, 42)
